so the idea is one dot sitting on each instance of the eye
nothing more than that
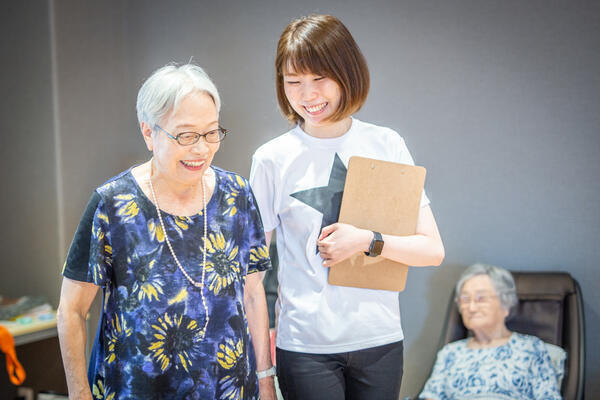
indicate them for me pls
(292, 82)
(319, 78)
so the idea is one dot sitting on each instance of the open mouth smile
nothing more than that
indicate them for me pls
(316, 109)
(193, 165)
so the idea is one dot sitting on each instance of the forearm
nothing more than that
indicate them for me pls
(72, 334)
(258, 324)
(339, 241)
(415, 250)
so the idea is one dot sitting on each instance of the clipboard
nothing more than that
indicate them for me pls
(385, 197)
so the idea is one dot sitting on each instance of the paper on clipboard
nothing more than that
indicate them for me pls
(385, 197)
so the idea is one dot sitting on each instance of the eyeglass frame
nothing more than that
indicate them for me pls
(199, 135)
(478, 299)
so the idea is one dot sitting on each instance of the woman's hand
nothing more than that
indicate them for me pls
(266, 388)
(339, 241)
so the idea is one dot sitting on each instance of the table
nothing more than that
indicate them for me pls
(38, 351)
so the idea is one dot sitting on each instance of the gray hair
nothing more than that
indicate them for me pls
(502, 280)
(167, 86)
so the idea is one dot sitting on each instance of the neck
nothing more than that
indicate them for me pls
(176, 190)
(492, 336)
(328, 131)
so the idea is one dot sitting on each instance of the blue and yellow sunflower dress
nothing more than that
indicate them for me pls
(150, 342)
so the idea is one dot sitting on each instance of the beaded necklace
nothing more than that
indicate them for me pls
(195, 283)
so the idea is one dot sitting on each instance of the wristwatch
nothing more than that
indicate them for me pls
(266, 373)
(376, 245)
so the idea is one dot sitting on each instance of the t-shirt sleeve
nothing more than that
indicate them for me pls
(259, 252)
(90, 255)
(263, 185)
(404, 157)
(434, 387)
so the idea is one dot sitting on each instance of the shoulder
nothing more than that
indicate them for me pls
(278, 147)
(117, 185)
(529, 341)
(230, 181)
(383, 140)
(528, 344)
(536, 344)
(459, 344)
(377, 131)
(454, 347)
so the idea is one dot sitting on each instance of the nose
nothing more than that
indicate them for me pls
(472, 305)
(309, 92)
(200, 147)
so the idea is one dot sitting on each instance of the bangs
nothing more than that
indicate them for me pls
(301, 58)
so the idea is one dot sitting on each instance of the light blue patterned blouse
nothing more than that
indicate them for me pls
(519, 369)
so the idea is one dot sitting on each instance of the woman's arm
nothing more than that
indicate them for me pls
(339, 241)
(542, 376)
(268, 237)
(75, 300)
(255, 304)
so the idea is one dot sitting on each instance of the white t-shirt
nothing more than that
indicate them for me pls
(314, 316)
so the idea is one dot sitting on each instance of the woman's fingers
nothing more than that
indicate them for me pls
(326, 231)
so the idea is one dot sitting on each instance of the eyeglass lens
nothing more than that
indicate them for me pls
(188, 138)
(478, 299)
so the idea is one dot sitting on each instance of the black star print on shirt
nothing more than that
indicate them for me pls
(327, 199)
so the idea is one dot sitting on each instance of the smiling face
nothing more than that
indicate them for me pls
(184, 165)
(314, 97)
(480, 307)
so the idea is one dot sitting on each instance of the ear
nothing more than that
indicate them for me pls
(147, 135)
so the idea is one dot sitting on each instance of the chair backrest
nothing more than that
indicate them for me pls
(551, 308)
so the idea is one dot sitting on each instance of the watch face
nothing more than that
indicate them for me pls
(377, 247)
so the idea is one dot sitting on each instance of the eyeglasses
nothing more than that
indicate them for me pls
(190, 138)
(479, 299)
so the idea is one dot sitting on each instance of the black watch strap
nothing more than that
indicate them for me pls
(376, 245)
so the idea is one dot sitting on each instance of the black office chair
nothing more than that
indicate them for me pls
(551, 308)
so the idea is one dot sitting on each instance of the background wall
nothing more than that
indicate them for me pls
(499, 100)
(28, 203)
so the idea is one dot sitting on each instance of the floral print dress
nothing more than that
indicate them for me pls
(151, 342)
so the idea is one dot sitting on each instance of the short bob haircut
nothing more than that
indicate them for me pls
(322, 45)
(502, 280)
(167, 86)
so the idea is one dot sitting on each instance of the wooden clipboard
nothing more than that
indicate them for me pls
(385, 197)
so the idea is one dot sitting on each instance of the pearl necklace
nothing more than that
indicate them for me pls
(197, 284)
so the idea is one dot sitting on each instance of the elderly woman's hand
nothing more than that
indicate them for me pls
(339, 241)
(266, 387)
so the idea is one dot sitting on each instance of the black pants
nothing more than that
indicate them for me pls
(374, 373)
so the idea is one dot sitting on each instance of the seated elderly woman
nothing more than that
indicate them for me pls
(176, 245)
(493, 363)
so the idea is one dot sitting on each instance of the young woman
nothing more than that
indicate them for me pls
(333, 342)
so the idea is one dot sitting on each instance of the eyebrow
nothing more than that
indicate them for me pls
(185, 126)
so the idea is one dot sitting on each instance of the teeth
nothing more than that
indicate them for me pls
(316, 108)
(193, 163)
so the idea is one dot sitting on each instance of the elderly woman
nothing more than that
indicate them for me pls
(176, 245)
(493, 363)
